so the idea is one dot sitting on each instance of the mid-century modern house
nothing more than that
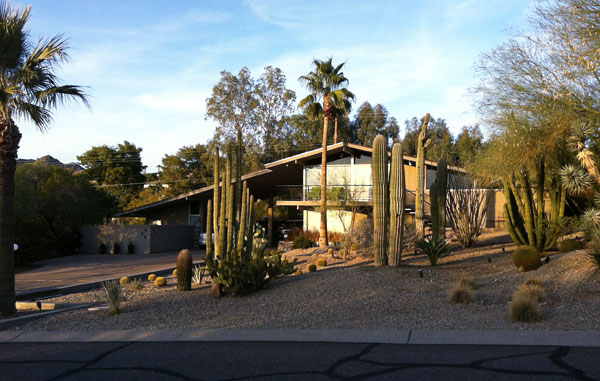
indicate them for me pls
(294, 182)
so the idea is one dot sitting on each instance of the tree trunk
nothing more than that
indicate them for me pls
(323, 233)
(335, 131)
(9, 144)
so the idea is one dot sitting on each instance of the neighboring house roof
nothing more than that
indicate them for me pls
(287, 171)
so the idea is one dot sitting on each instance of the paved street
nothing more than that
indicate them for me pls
(292, 360)
(78, 269)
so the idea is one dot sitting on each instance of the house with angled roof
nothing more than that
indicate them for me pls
(294, 182)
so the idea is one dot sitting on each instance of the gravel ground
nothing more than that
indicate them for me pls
(355, 294)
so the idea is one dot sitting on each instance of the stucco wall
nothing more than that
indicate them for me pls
(146, 239)
(177, 214)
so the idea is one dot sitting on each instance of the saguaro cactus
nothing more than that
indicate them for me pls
(209, 243)
(441, 179)
(422, 144)
(216, 202)
(397, 201)
(380, 199)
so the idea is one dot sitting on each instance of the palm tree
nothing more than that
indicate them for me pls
(325, 83)
(28, 89)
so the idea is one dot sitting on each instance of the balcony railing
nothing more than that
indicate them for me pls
(334, 192)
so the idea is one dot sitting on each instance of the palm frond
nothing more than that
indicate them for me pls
(39, 115)
(50, 97)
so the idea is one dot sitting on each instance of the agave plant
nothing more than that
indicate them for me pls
(433, 247)
(575, 179)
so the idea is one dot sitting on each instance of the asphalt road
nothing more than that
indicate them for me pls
(292, 361)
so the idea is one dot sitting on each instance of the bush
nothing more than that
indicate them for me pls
(344, 254)
(569, 245)
(434, 248)
(135, 284)
(531, 290)
(160, 282)
(113, 294)
(152, 277)
(302, 242)
(360, 238)
(124, 281)
(312, 268)
(527, 257)
(462, 294)
(321, 262)
(524, 308)
(533, 281)
(278, 266)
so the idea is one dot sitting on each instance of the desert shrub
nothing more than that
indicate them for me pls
(278, 266)
(467, 281)
(160, 281)
(534, 281)
(534, 291)
(527, 257)
(135, 284)
(567, 245)
(124, 281)
(113, 294)
(312, 268)
(462, 294)
(302, 242)
(466, 208)
(152, 277)
(524, 308)
(197, 274)
(360, 238)
(321, 262)
(344, 253)
(434, 248)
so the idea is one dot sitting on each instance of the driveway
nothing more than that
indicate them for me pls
(80, 269)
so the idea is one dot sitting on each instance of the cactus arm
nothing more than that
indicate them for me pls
(420, 191)
(216, 203)
(540, 179)
(528, 204)
(230, 220)
(222, 237)
(441, 187)
(433, 210)
(510, 226)
(380, 196)
(511, 213)
(209, 248)
(243, 214)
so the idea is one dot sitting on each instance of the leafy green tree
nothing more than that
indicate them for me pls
(442, 141)
(117, 169)
(372, 121)
(275, 105)
(189, 169)
(51, 204)
(469, 144)
(326, 84)
(30, 89)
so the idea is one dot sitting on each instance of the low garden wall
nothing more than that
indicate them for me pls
(146, 239)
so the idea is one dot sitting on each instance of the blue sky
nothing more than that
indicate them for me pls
(150, 65)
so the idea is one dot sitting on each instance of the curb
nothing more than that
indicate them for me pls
(411, 337)
(42, 292)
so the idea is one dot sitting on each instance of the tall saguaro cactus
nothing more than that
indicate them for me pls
(397, 202)
(216, 204)
(437, 198)
(380, 199)
(422, 144)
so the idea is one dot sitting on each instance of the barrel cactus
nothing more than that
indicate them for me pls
(527, 257)
(184, 270)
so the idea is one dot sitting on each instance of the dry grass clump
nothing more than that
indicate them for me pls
(135, 284)
(113, 295)
(524, 308)
(461, 294)
(463, 291)
(534, 290)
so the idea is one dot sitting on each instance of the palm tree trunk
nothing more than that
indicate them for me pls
(323, 232)
(335, 131)
(9, 144)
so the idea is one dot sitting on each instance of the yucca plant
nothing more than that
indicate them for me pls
(114, 296)
(197, 274)
(433, 247)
